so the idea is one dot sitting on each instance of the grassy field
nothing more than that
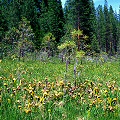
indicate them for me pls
(35, 90)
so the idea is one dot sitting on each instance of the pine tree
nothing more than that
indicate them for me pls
(57, 22)
(16, 9)
(93, 29)
(107, 27)
(3, 20)
(101, 28)
(18, 41)
(113, 31)
(52, 18)
(26, 37)
(81, 15)
(3, 25)
(44, 18)
(118, 31)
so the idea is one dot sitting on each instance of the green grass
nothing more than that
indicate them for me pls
(35, 90)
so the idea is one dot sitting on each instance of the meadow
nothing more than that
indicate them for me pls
(44, 90)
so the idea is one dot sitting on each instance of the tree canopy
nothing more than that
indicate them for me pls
(101, 25)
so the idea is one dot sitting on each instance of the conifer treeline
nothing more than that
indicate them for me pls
(101, 25)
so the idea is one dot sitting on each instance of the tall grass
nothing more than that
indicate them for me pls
(35, 90)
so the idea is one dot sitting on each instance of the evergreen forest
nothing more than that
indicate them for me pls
(26, 26)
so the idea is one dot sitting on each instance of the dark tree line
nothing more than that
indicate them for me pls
(108, 29)
(47, 17)
(101, 25)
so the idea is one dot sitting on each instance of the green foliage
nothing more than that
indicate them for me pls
(3, 23)
(101, 28)
(107, 32)
(76, 33)
(36, 90)
(79, 38)
(81, 15)
(96, 30)
(67, 45)
(95, 44)
(52, 19)
(25, 30)
(9, 42)
(99, 25)
(49, 37)
(80, 54)
(20, 40)
(49, 43)
(25, 42)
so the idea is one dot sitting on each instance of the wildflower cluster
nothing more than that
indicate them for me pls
(31, 97)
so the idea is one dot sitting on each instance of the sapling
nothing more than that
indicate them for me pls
(49, 43)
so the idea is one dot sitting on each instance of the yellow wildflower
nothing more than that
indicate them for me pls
(37, 98)
(52, 86)
(73, 96)
(100, 84)
(36, 105)
(110, 87)
(60, 93)
(14, 80)
(61, 83)
(29, 105)
(115, 88)
(105, 91)
(93, 102)
(56, 93)
(5, 84)
(115, 99)
(39, 83)
(9, 101)
(18, 101)
(45, 94)
(27, 111)
(96, 89)
(30, 88)
(90, 105)
(99, 100)
(109, 100)
(41, 99)
(19, 106)
(32, 93)
(49, 110)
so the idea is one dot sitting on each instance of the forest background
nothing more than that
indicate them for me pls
(44, 25)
